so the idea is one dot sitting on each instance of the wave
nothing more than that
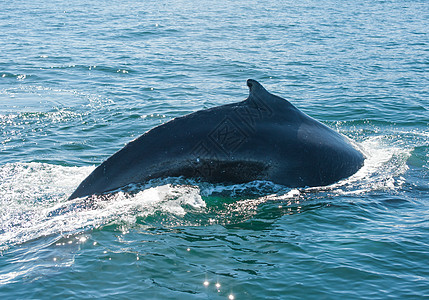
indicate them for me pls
(33, 196)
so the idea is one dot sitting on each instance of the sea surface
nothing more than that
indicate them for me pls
(80, 79)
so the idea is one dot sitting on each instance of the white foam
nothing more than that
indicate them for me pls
(27, 191)
(33, 201)
(384, 166)
(33, 196)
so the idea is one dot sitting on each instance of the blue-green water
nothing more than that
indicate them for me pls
(80, 79)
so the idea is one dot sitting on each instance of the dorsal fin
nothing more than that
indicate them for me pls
(260, 97)
(255, 87)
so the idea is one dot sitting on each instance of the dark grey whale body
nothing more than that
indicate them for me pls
(261, 138)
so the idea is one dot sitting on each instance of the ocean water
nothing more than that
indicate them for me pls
(80, 79)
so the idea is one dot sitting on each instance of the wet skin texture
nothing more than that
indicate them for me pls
(261, 138)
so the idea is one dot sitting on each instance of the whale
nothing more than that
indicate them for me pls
(262, 138)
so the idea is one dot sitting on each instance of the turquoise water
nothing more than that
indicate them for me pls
(79, 79)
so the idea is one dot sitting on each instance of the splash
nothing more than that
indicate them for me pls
(33, 201)
(33, 196)
(383, 169)
(27, 192)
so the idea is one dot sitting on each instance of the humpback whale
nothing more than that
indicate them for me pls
(264, 137)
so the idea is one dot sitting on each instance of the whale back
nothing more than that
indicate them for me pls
(264, 137)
